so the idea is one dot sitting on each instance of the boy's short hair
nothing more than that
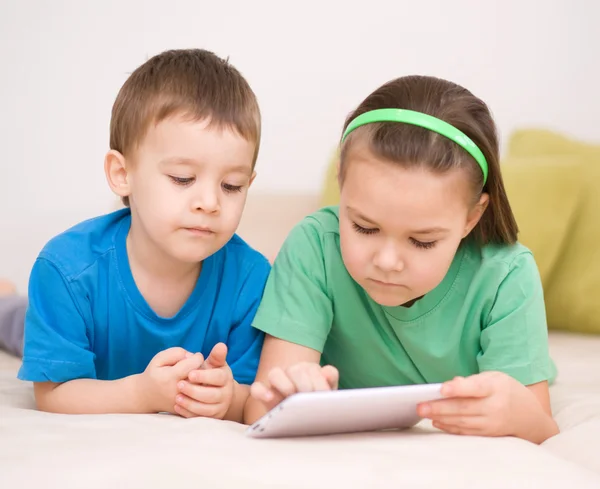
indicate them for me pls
(192, 82)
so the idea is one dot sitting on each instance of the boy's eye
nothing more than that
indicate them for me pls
(232, 188)
(181, 180)
(362, 230)
(424, 245)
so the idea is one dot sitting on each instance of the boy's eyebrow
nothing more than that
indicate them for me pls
(176, 160)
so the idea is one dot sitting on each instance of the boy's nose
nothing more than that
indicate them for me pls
(206, 201)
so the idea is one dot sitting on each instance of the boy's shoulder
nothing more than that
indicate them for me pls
(80, 246)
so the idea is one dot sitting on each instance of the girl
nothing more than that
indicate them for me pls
(417, 276)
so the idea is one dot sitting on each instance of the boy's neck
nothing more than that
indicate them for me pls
(165, 283)
(157, 263)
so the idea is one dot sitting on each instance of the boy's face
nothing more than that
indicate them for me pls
(187, 187)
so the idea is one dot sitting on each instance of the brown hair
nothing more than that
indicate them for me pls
(194, 83)
(410, 145)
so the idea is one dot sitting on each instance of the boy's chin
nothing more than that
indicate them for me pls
(195, 256)
(196, 253)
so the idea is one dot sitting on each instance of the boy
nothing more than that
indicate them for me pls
(118, 303)
(12, 313)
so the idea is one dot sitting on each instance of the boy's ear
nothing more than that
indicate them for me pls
(476, 213)
(115, 168)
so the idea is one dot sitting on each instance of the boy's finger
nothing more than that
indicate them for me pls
(185, 366)
(183, 412)
(201, 393)
(216, 377)
(197, 408)
(169, 357)
(217, 357)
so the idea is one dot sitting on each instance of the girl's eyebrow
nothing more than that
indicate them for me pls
(435, 230)
(431, 230)
(361, 216)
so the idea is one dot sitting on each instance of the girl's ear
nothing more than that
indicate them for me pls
(475, 213)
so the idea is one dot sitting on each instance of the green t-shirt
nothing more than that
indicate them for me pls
(487, 314)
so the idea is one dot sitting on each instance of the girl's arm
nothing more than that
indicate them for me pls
(493, 404)
(545, 427)
(285, 368)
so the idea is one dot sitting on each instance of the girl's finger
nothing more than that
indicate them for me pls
(456, 430)
(474, 386)
(318, 380)
(451, 407)
(281, 382)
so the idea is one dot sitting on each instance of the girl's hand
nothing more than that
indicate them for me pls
(489, 404)
(301, 377)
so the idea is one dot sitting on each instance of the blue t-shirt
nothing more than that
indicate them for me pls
(87, 319)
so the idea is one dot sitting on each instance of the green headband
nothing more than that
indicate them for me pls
(423, 120)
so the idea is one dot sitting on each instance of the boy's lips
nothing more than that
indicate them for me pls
(200, 231)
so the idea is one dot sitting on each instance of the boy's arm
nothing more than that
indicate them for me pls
(60, 360)
(90, 396)
(152, 391)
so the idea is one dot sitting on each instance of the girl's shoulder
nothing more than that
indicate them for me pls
(507, 255)
(325, 220)
(501, 261)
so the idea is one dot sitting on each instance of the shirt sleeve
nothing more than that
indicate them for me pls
(245, 342)
(296, 306)
(56, 345)
(515, 339)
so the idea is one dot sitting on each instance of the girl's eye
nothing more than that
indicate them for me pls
(232, 188)
(181, 180)
(361, 230)
(424, 245)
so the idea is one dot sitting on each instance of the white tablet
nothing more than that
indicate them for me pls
(344, 411)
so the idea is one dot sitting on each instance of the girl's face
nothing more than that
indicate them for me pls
(400, 228)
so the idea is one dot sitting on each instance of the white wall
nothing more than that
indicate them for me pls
(309, 62)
